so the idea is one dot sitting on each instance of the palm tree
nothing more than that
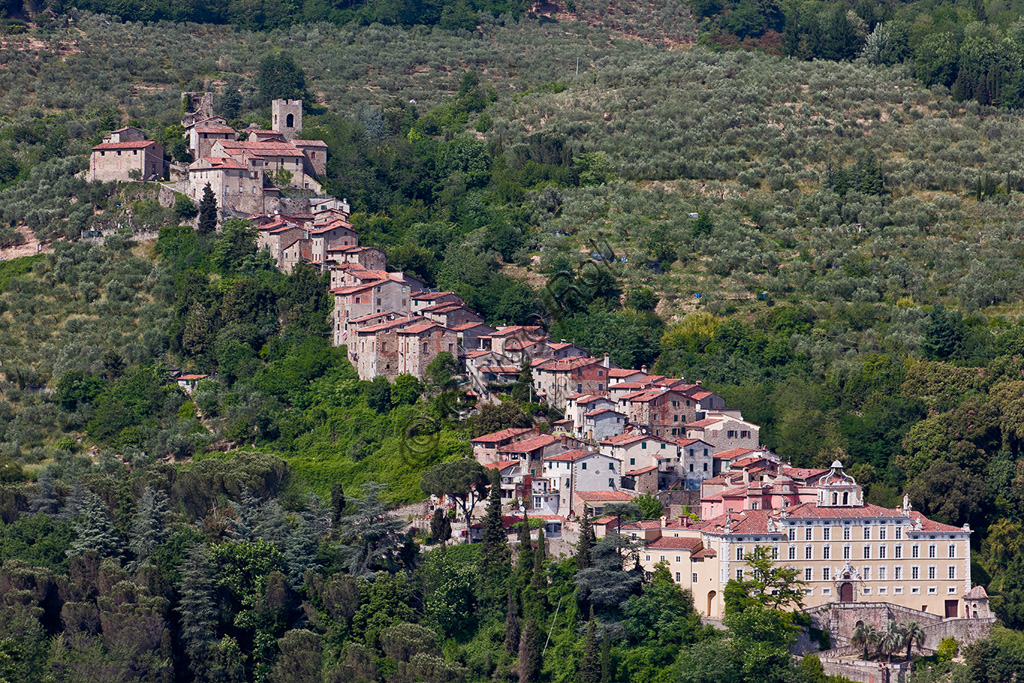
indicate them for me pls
(890, 640)
(912, 633)
(864, 635)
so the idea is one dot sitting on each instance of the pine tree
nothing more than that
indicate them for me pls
(530, 653)
(512, 630)
(149, 526)
(94, 529)
(586, 542)
(197, 608)
(46, 499)
(300, 551)
(207, 211)
(590, 665)
(247, 518)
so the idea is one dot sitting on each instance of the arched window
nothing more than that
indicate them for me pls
(835, 498)
(290, 121)
(846, 497)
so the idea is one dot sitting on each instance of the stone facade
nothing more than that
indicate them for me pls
(124, 155)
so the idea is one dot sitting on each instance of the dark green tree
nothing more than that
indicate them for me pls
(337, 503)
(207, 212)
(94, 530)
(586, 541)
(530, 652)
(464, 480)
(197, 608)
(440, 526)
(512, 630)
(280, 78)
(590, 665)
(495, 556)
(149, 528)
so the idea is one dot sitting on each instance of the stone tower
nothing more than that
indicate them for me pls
(287, 117)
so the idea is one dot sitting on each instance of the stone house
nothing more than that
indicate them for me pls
(125, 154)
(556, 380)
(532, 451)
(376, 296)
(724, 432)
(331, 236)
(485, 448)
(204, 133)
(451, 315)
(420, 344)
(601, 424)
(367, 257)
(698, 463)
(376, 351)
(577, 471)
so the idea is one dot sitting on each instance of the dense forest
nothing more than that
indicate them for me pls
(832, 245)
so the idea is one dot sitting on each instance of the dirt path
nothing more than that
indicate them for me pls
(29, 247)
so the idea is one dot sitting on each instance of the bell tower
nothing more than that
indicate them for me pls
(286, 117)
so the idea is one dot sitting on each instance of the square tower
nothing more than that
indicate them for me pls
(286, 116)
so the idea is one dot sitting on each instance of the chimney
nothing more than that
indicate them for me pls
(643, 369)
(607, 362)
(699, 383)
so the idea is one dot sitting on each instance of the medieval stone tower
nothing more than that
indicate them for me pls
(287, 117)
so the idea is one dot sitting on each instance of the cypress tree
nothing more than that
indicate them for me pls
(149, 526)
(337, 503)
(590, 665)
(606, 657)
(495, 557)
(586, 542)
(512, 630)
(539, 578)
(525, 564)
(530, 653)
(440, 526)
(207, 211)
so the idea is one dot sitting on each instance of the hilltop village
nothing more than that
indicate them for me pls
(623, 432)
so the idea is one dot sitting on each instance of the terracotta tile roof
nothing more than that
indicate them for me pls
(217, 128)
(687, 442)
(495, 437)
(430, 296)
(643, 470)
(706, 422)
(192, 376)
(733, 453)
(673, 543)
(703, 553)
(532, 444)
(420, 328)
(446, 307)
(929, 525)
(631, 437)
(700, 395)
(263, 149)
(309, 143)
(607, 519)
(503, 465)
(500, 369)
(354, 289)
(468, 326)
(476, 353)
(742, 522)
(803, 472)
(641, 525)
(570, 456)
(601, 496)
(624, 372)
(138, 144)
(373, 329)
(976, 593)
(602, 411)
(517, 329)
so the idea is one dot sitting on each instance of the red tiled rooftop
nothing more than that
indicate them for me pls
(531, 444)
(570, 456)
(673, 543)
(601, 496)
(138, 144)
(494, 437)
